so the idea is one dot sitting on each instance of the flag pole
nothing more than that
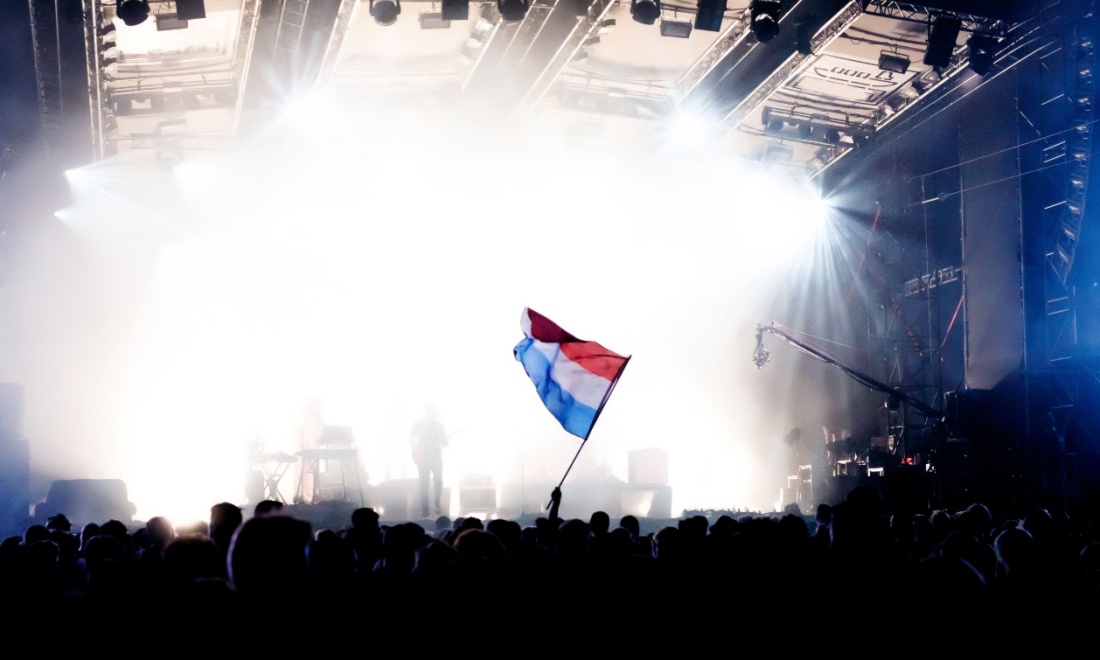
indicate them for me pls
(595, 418)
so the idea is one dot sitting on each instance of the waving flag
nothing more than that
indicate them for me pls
(573, 377)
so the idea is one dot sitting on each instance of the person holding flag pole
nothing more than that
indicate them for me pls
(573, 377)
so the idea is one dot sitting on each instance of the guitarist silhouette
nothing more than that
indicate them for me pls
(428, 440)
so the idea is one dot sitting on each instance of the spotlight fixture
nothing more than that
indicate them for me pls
(941, 41)
(645, 12)
(764, 17)
(982, 50)
(108, 45)
(804, 34)
(106, 28)
(709, 14)
(133, 12)
(680, 29)
(455, 10)
(385, 12)
(190, 10)
(512, 10)
(894, 62)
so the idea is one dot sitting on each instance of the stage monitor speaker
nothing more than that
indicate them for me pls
(647, 466)
(477, 495)
(188, 10)
(87, 500)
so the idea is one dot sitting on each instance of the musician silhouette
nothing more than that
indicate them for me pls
(428, 440)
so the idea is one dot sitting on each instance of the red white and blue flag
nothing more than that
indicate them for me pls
(573, 377)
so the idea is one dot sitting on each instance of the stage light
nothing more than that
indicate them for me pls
(894, 62)
(982, 50)
(107, 61)
(806, 130)
(512, 10)
(134, 12)
(680, 29)
(108, 45)
(941, 41)
(764, 19)
(385, 12)
(455, 10)
(804, 39)
(690, 127)
(645, 12)
(709, 14)
(189, 10)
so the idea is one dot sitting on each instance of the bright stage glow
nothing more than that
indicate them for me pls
(691, 128)
(380, 273)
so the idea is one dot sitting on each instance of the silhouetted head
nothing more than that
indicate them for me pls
(191, 558)
(160, 531)
(59, 522)
(225, 519)
(630, 523)
(364, 517)
(267, 508)
(35, 533)
(599, 523)
(113, 528)
(267, 557)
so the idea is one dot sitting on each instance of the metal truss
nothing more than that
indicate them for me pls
(47, 66)
(831, 30)
(1055, 130)
(242, 56)
(587, 27)
(907, 11)
(97, 85)
(489, 26)
(912, 328)
(730, 38)
(292, 20)
(1024, 41)
(1078, 147)
(345, 17)
(523, 38)
(104, 132)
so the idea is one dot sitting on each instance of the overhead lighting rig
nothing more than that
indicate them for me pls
(512, 11)
(764, 19)
(983, 49)
(385, 12)
(942, 35)
(645, 12)
(893, 62)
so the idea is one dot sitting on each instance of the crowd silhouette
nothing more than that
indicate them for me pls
(849, 567)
